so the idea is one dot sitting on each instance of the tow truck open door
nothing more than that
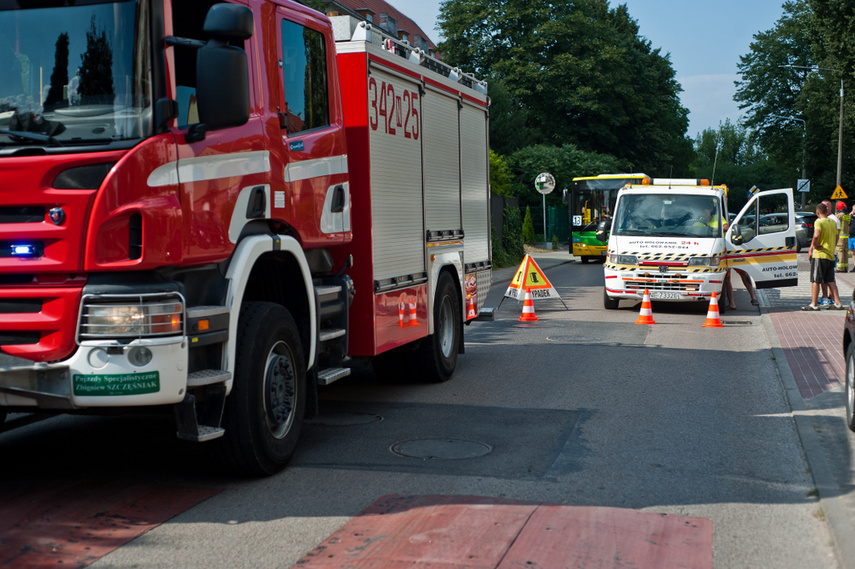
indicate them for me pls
(761, 240)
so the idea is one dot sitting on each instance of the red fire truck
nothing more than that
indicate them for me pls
(218, 208)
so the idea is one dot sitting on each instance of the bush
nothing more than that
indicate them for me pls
(512, 240)
(528, 228)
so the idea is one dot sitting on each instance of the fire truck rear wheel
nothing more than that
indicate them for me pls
(264, 411)
(438, 352)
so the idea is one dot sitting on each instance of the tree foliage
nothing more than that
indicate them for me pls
(575, 72)
(564, 163)
(790, 91)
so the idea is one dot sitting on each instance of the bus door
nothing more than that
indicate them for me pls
(761, 240)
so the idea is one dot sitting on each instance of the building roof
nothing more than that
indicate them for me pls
(379, 7)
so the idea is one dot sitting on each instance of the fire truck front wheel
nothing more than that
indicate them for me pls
(439, 351)
(264, 411)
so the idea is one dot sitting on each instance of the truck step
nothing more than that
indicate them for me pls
(206, 433)
(327, 292)
(208, 377)
(200, 422)
(486, 315)
(327, 376)
(331, 334)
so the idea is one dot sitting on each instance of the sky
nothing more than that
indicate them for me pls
(704, 39)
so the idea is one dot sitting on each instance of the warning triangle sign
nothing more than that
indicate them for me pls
(530, 276)
(839, 194)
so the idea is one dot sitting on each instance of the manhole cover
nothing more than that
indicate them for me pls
(345, 419)
(441, 449)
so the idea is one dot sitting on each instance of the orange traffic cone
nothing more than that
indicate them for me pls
(646, 314)
(713, 319)
(528, 314)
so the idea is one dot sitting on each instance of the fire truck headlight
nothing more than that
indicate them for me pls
(136, 317)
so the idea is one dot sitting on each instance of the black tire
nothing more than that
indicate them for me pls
(610, 303)
(798, 246)
(849, 387)
(584, 259)
(437, 355)
(265, 409)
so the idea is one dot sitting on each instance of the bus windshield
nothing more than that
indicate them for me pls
(592, 200)
(668, 215)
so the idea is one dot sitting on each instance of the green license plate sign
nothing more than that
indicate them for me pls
(120, 384)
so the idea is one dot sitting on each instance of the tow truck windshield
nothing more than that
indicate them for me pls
(74, 73)
(668, 215)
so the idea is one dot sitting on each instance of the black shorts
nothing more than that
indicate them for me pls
(821, 271)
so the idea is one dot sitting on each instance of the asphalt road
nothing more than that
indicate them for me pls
(581, 407)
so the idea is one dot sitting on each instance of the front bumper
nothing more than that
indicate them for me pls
(99, 375)
(679, 287)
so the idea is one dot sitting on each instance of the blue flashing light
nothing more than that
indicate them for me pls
(24, 250)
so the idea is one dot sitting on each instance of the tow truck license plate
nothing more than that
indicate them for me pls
(665, 295)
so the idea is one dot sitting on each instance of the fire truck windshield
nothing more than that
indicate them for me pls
(668, 215)
(75, 73)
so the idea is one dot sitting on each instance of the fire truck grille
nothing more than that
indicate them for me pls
(22, 214)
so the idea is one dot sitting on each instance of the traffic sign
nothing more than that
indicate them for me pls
(529, 276)
(803, 185)
(839, 194)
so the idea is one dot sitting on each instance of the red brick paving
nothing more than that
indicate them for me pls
(73, 525)
(471, 532)
(813, 345)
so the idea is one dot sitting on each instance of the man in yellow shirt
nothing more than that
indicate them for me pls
(822, 259)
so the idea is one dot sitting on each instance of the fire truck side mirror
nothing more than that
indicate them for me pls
(223, 104)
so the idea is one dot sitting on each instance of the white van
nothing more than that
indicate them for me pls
(671, 238)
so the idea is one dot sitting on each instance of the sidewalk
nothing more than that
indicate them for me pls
(812, 342)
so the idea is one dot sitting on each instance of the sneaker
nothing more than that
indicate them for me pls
(810, 307)
(824, 301)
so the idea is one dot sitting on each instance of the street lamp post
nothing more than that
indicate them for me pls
(840, 128)
(803, 147)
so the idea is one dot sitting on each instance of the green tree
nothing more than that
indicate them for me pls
(564, 163)
(528, 227)
(500, 176)
(579, 72)
(772, 94)
(731, 155)
(790, 91)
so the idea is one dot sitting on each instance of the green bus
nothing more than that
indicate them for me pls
(591, 199)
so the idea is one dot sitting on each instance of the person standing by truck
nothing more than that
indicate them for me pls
(822, 259)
